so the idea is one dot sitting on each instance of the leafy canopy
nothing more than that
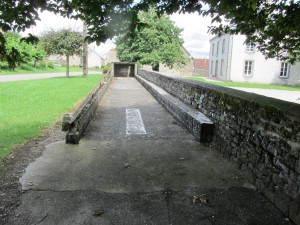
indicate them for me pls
(18, 51)
(157, 41)
(63, 42)
(273, 24)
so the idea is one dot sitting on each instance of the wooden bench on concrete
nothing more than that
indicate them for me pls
(196, 122)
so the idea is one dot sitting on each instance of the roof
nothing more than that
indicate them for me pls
(200, 63)
(92, 49)
(186, 51)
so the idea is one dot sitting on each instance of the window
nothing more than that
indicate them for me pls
(248, 68)
(213, 49)
(223, 46)
(250, 47)
(217, 48)
(212, 67)
(284, 70)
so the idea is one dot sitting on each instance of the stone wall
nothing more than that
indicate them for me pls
(121, 69)
(260, 134)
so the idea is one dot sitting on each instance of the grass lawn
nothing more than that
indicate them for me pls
(247, 85)
(27, 107)
(44, 70)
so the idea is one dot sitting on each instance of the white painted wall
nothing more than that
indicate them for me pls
(219, 53)
(265, 71)
(294, 76)
(94, 60)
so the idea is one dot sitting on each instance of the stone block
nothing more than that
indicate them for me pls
(269, 193)
(298, 166)
(249, 175)
(294, 212)
(282, 201)
(260, 185)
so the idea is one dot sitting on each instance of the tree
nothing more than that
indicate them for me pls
(63, 42)
(157, 41)
(273, 24)
(18, 51)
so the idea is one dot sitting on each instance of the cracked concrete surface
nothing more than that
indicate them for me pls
(162, 177)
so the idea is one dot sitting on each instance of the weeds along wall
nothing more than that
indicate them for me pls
(260, 134)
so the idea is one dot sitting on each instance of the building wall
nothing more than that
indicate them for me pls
(74, 60)
(294, 77)
(182, 70)
(219, 57)
(94, 60)
(111, 56)
(265, 71)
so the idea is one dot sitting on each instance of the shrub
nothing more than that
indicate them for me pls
(50, 65)
(43, 64)
(26, 67)
(4, 66)
(106, 68)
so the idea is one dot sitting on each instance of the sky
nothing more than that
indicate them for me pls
(195, 36)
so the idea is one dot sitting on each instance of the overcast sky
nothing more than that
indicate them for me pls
(195, 36)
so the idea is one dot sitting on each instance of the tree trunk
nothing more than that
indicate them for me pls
(85, 53)
(155, 67)
(68, 67)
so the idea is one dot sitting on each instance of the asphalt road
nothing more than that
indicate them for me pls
(136, 165)
(289, 96)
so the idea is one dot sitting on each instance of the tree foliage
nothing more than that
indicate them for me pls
(63, 42)
(272, 24)
(18, 51)
(157, 41)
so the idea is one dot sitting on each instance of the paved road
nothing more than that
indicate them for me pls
(10, 78)
(289, 96)
(136, 165)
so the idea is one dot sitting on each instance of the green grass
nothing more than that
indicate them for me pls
(248, 85)
(44, 70)
(27, 107)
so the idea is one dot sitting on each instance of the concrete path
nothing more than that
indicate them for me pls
(136, 165)
(18, 77)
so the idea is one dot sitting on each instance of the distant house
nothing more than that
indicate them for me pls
(233, 60)
(200, 66)
(94, 59)
(111, 56)
(182, 70)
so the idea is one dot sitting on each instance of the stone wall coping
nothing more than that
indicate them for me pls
(289, 107)
(75, 123)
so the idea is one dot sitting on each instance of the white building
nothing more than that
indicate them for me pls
(94, 59)
(232, 60)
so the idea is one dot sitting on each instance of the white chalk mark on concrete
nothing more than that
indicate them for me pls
(134, 122)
